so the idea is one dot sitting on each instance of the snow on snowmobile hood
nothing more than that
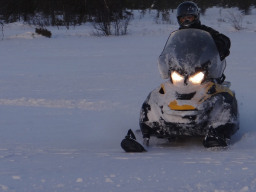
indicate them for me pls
(190, 50)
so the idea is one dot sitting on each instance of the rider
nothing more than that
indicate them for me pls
(188, 17)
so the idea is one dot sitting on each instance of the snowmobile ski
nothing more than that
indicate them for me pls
(129, 143)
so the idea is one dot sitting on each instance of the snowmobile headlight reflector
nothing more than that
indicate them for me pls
(176, 77)
(197, 78)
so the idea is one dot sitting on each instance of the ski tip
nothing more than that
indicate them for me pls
(129, 143)
(132, 146)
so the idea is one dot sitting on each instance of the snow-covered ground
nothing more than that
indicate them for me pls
(67, 102)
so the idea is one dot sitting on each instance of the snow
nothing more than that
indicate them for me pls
(67, 102)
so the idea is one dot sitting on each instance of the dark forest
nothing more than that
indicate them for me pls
(76, 12)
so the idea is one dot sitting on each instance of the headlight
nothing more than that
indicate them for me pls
(176, 77)
(196, 78)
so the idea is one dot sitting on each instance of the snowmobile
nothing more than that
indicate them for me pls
(195, 100)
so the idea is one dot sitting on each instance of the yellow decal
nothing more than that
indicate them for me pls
(219, 89)
(174, 106)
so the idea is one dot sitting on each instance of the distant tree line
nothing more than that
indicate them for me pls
(80, 11)
(68, 12)
(104, 13)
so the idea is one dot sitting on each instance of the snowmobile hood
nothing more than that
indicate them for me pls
(188, 51)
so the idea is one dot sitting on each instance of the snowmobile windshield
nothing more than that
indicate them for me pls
(190, 50)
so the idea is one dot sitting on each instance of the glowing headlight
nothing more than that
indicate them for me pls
(176, 77)
(197, 78)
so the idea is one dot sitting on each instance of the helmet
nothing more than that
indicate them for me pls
(188, 8)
